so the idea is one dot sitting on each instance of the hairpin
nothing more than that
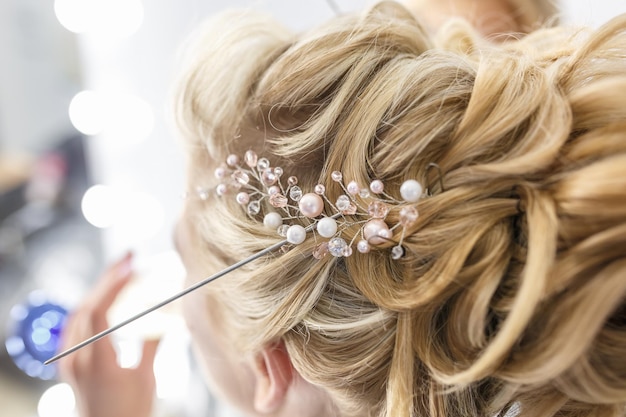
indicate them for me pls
(253, 180)
(256, 180)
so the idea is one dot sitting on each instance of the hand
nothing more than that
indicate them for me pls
(101, 386)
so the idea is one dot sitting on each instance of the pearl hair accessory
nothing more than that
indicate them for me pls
(291, 203)
(253, 180)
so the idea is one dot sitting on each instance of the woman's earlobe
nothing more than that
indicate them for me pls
(274, 375)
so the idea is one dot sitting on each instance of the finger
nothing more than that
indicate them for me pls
(100, 352)
(108, 289)
(111, 282)
(90, 319)
(69, 337)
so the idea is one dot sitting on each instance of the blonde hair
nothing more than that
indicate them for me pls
(511, 293)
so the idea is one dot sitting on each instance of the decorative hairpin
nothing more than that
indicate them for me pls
(254, 180)
(291, 203)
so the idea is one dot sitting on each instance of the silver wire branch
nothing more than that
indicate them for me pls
(175, 297)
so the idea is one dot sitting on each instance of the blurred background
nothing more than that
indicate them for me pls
(90, 168)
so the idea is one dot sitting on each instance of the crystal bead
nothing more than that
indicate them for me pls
(268, 177)
(278, 171)
(408, 216)
(263, 164)
(291, 181)
(278, 200)
(243, 198)
(240, 177)
(232, 160)
(377, 210)
(336, 176)
(282, 230)
(254, 207)
(336, 246)
(343, 202)
(350, 210)
(295, 193)
(397, 252)
(364, 193)
(320, 250)
(320, 189)
(353, 187)
(250, 158)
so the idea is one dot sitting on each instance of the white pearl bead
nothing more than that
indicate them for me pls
(243, 198)
(221, 189)
(377, 186)
(272, 220)
(363, 246)
(411, 191)
(296, 234)
(376, 231)
(273, 190)
(220, 172)
(327, 227)
(311, 205)
(232, 160)
(353, 187)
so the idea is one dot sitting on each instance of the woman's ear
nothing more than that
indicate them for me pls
(273, 375)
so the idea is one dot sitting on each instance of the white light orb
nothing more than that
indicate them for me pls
(118, 18)
(75, 15)
(130, 119)
(106, 18)
(100, 205)
(57, 401)
(141, 216)
(88, 112)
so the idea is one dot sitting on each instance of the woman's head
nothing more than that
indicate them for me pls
(512, 283)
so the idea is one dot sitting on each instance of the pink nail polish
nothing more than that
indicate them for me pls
(125, 268)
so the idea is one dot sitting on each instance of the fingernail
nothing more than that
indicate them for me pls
(125, 267)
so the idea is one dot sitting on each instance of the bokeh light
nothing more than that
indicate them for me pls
(142, 217)
(57, 401)
(100, 205)
(124, 118)
(87, 112)
(110, 18)
(130, 120)
(136, 215)
(173, 376)
(34, 334)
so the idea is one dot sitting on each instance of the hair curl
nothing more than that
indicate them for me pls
(512, 289)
